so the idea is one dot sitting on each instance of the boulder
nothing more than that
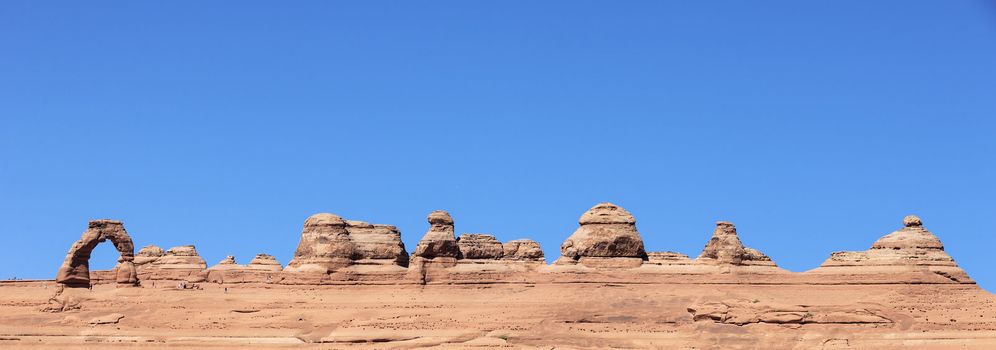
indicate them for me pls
(440, 240)
(479, 246)
(324, 247)
(522, 249)
(606, 231)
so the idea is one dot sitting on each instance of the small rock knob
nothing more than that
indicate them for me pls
(912, 221)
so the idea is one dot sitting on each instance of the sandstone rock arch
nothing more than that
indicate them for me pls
(75, 270)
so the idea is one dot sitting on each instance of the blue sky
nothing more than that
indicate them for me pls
(815, 127)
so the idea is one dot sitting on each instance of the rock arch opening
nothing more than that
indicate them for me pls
(75, 269)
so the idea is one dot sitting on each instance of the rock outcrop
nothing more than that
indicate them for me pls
(329, 243)
(148, 254)
(480, 246)
(522, 250)
(607, 237)
(741, 312)
(75, 269)
(324, 247)
(180, 258)
(376, 244)
(440, 241)
(725, 248)
(264, 262)
(910, 250)
(335, 250)
(668, 258)
(180, 263)
(228, 263)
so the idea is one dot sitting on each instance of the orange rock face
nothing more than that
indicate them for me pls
(351, 284)
(75, 270)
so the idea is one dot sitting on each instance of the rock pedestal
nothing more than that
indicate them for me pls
(440, 241)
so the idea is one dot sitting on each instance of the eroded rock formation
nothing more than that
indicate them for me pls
(324, 247)
(480, 246)
(264, 262)
(329, 243)
(911, 250)
(522, 250)
(180, 258)
(376, 244)
(725, 248)
(440, 241)
(607, 237)
(741, 312)
(148, 254)
(228, 263)
(75, 269)
(606, 246)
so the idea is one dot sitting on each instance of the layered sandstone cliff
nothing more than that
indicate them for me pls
(330, 244)
(912, 252)
(605, 247)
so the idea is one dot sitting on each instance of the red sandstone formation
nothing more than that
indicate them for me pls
(479, 246)
(440, 241)
(324, 246)
(522, 250)
(912, 251)
(377, 245)
(350, 284)
(75, 270)
(607, 237)
(725, 248)
(334, 250)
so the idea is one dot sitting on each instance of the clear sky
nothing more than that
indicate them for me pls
(814, 126)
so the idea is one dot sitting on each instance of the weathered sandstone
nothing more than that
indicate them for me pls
(376, 244)
(180, 258)
(264, 262)
(607, 237)
(324, 247)
(228, 263)
(522, 250)
(479, 246)
(725, 248)
(912, 252)
(75, 269)
(440, 241)
(148, 254)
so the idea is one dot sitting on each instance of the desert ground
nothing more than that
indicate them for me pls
(459, 316)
